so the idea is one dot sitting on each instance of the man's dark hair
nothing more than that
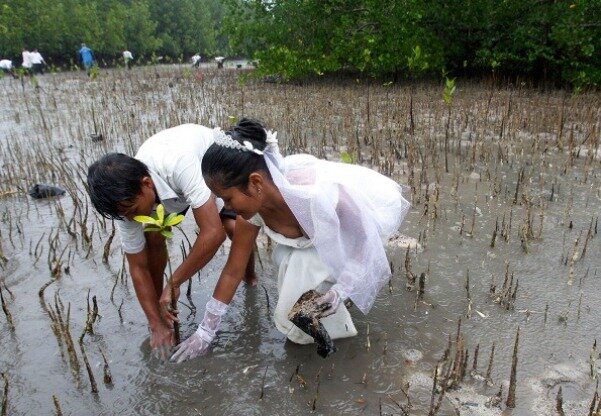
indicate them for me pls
(114, 179)
(231, 167)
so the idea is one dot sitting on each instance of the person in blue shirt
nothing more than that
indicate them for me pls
(87, 57)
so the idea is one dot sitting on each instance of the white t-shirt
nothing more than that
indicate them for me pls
(127, 55)
(173, 157)
(195, 58)
(26, 59)
(36, 58)
(6, 64)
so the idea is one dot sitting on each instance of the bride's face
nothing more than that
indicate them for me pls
(246, 203)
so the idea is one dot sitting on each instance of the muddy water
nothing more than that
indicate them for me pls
(45, 137)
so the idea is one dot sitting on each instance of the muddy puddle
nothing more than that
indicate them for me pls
(506, 240)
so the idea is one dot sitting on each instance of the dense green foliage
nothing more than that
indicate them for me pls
(554, 39)
(173, 28)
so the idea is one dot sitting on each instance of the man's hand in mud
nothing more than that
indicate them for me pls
(168, 313)
(162, 339)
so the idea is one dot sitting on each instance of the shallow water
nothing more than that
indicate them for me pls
(45, 137)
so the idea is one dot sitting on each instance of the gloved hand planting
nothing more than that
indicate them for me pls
(329, 302)
(200, 341)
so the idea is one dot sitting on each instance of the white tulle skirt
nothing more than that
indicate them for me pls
(300, 269)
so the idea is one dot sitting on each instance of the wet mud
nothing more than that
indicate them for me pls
(503, 239)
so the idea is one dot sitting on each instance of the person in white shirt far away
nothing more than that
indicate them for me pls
(196, 60)
(127, 58)
(6, 65)
(26, 55)
(37, 62)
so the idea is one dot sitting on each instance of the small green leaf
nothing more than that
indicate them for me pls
(145, 219)
(173, 219)
(160, 214)
(347, 157)
(151, 228)
(166, 234)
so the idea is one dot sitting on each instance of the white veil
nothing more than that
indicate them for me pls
(347, 211)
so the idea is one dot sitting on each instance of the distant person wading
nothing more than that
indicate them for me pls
(87, 57)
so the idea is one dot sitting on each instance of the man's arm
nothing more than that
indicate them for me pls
(208, 241)
(149, 299)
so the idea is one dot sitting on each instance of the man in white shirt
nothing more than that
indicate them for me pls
(6, 65)
(37, 62)
(26, 55)
(166, 170)
(196, 61)
(127, 58)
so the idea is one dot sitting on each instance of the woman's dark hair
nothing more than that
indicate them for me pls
(229, 167)
(114, 179)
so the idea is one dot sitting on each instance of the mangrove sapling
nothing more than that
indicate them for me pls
(94, 386)
(468, 295)
(559, 403)
(510, 402)
(589, 235)
(262, 394)
(494, 234)
(113, 288)
(268, 309)
(475, 362)
(120, 313)
(107, 245)
(422, 285)
(591, 410)
(9, 317)
(408, 273)
(63, 325)
(434, 390)
(163, 225)
(4, 408)
(12, 296)
(447, 96)
(317, 384)
(57, 406)
(593, 361)
(490, 364)
(91, 317)
(108, 378)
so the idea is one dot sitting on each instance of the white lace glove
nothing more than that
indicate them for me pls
(200, 341)
(330, 301)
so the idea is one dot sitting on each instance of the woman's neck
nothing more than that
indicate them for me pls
(273, 204)
(277, 214)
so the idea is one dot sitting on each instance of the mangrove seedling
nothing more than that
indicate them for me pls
(162, 225)
(159, 223)
(447, 96)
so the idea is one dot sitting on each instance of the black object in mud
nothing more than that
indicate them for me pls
(304, 315)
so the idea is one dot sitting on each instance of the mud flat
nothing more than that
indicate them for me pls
(502, 236)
